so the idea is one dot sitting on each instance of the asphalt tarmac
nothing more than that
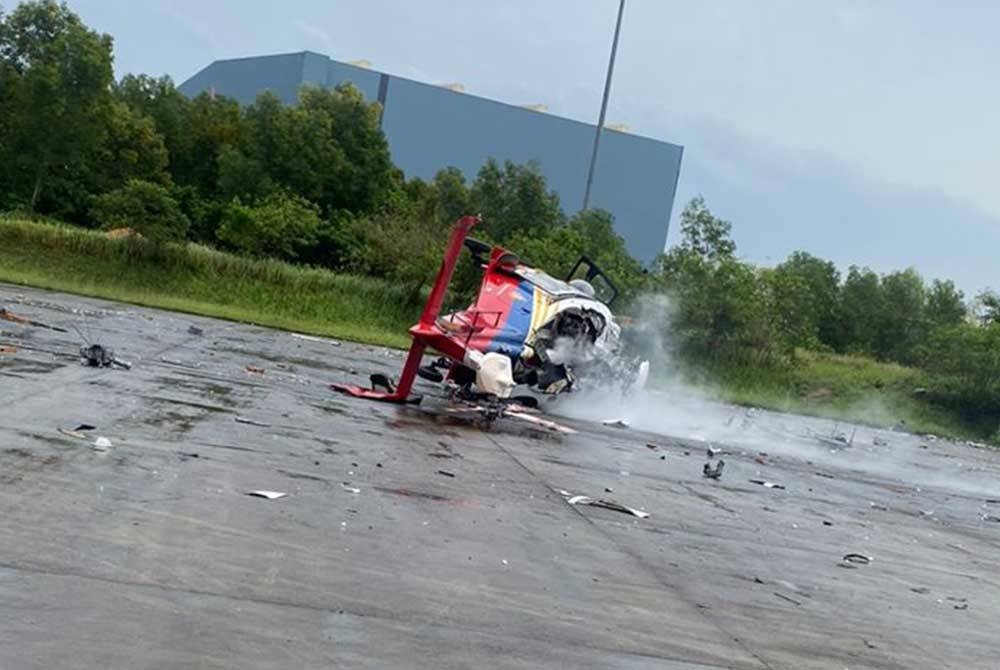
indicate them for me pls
(413, 538)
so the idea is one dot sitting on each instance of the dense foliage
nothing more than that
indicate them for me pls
(313, 183)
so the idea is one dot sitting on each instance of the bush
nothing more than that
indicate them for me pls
(143, 206)
(282, 225)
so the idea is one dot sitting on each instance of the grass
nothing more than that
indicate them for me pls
(199, 280)
(848, 388)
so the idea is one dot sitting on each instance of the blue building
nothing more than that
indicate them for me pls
(430, 127)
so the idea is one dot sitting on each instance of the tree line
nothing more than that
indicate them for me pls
(314, 183)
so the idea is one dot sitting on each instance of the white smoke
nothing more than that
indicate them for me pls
(672, 406)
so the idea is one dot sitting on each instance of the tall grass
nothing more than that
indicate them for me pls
(200, 280)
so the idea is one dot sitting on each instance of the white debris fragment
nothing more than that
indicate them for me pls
(617, 423)
(102, 444)
(313, 338)
(351, 489)
(270, 495)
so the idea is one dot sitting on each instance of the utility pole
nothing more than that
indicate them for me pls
(604, 105)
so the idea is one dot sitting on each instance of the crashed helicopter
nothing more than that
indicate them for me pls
(525, 328)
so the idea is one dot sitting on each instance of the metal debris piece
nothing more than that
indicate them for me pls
(616, 423)
(650, 445)
(607, 504)
(270, 495)
(195, 330)
(881, 508)
(446, 473)
(824, 475)
(251, 422)
(962, 606)
(766, 484)
(784, 597)
(713, 452)
(7, 315)
(920, 589)
(713, 473)
(99, 356)
(859, 559)
(256, 369)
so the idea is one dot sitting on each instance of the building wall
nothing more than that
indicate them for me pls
(429, 127)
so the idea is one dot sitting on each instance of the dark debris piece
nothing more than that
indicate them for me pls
(713, 473)
(99, 356)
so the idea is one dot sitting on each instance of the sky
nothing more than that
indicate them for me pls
(863, 132)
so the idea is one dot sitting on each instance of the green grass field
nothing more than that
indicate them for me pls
(199, 280)
(203, 281)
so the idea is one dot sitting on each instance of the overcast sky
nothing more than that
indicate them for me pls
(864, 132)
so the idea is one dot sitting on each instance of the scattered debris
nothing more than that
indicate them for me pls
(73, 433)
(869, 644)
(188, 454)
(617, 423)
(446, 473)
(607, 504)
(759, 460)
(926, 512)
(859, 559)
(880, 442)
(608, 489)
(7, 315)
(195, 330)
(922, 590)
(85, 426)
(251, 422)
(102, 444)
(713, 473)
(257, 370)
(827, 523)
(766, 484)
(824, 475)
(712, 452)
(350, 489)
(991, 517)
(99, 356)
(7, 349)
(881, 508)
(784, 597)
(962, 606)
(270, 495)
(650, 445)
(993, 501)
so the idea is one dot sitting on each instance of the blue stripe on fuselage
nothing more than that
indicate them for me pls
(512, 335)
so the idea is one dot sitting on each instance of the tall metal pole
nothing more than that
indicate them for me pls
(604, 106)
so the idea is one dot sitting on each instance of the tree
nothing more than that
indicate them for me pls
(988, 307)
(902, 324)
(145, 207)
(514, 199)
(859, 311)
(282, 225)
(159, 100)
(705, 235)
(57, 75)
(132, 149)
(945, 304)
(816, 311)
